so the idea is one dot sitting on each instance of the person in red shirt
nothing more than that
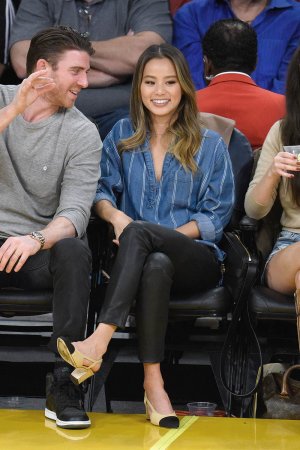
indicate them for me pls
(230, 54)
(175, 4)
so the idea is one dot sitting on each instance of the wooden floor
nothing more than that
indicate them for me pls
(29, 430)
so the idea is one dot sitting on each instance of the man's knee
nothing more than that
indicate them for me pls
(71, 250)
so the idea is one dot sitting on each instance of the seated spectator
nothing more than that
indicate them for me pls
(276, 22)
(7, 14)
(278, 173)
(119, 30)
(160, 189)
(49, 157)
(230, 54)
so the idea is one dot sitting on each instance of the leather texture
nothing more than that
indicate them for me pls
(18, 302)
(268, 304)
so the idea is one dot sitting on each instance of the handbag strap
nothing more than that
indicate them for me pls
(241, 315)
(297, 306)
(285, 387)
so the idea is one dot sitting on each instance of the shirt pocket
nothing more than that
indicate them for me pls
(182, 188)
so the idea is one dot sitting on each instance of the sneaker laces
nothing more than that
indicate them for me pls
(68, 395)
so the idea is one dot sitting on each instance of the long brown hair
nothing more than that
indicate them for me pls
(290, 125)
(185, 130)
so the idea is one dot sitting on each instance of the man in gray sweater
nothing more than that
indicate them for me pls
(49, 162)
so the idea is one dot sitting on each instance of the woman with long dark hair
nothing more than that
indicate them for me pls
(277, 172)
(166, 186)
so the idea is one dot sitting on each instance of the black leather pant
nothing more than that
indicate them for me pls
(153, 261)
(65, 268)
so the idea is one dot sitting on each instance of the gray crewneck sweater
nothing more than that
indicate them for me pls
(48, 169)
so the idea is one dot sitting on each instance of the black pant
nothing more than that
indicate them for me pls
(153, 261)
(65, 268)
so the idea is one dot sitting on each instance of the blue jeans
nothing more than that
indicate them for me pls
(284, 239)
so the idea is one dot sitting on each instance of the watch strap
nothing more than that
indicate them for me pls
(38, 236)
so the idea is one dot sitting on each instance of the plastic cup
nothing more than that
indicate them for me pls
(201, 408)
(294, 149)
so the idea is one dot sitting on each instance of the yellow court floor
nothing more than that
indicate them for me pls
(29, 430)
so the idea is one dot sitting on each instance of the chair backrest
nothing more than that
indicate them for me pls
(241, 155)
(220, 124)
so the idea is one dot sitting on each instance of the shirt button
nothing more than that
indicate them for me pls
(45, 168)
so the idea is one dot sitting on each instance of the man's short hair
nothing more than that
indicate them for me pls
(51, 43)
(231, 45)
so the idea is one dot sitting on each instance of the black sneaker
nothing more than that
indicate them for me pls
(64, 402)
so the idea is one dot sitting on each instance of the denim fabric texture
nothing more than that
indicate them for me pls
(285, 238)
(128, 181)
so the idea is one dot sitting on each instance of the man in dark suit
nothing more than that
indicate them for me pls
(229, 56)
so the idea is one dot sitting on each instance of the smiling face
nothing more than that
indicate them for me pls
(70, 76)
(160, 89)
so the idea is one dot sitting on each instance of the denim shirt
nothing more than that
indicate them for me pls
(128, 182)
(278, 36)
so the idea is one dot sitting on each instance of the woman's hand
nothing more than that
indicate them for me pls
(283, 163)
(119, 221)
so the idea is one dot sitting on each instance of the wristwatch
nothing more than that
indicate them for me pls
(37, 235)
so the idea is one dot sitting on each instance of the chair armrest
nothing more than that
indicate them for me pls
(248, 224)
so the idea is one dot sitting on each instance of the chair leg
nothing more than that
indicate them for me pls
(225, 395)
(99, 379)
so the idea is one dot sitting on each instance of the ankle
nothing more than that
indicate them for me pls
(150, 385)
(90, 350)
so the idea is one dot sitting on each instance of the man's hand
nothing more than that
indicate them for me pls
(15, 251)
(36, 85)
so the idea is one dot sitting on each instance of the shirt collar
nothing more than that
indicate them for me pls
(271, 5)
(232, 71)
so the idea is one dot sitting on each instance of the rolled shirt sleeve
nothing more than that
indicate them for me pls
(110, 183)
(80, 177)
(216, 204)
